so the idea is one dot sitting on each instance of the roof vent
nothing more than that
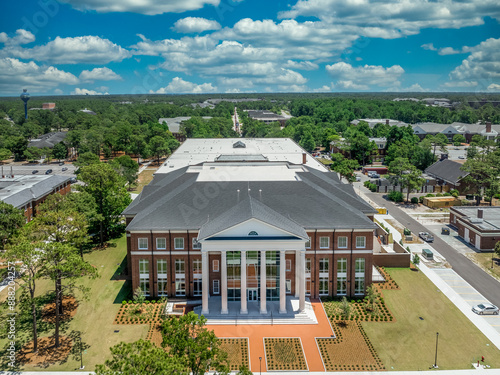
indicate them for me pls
(239, 144)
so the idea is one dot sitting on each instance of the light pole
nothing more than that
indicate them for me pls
(25, 97)
(436, 357)
(81, 353)
(260, 367)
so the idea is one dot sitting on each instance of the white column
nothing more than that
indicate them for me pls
(243, 309)
(302, 281)
(297, 273)
(223, 274)
(205, 281)
(263, 309)
(282, 282)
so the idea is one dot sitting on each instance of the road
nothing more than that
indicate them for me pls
(27, 169)
(475, 276)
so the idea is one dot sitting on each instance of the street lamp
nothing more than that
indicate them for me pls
(436, 357)
(81, 353)
(25, 97)
(260, 367)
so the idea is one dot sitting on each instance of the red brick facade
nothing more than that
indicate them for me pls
(31, 208)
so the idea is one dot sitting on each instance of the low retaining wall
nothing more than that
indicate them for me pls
(401, 258)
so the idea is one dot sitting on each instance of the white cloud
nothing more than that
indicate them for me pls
(463, 84)
(494, 87)
(22, 37)
(179, 86)
(16, 75)
(429, 47)
(394, 18)
(363, 77)
(58, 91)
(81, 49)
(149, 7)
(79, 91)
(300, 65)
(99, 74)
(195, 25)
(483, 62)
(448, 51)
(413, 88)
(323, 89)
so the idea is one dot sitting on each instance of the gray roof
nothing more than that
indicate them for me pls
(48, 140)
(174, 123)
(261, 115)
(247, 209)
(490, 220)
(24, 189)
(447, 170)
(316, 200)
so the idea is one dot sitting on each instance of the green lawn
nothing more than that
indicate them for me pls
(483, 260)
(409, 343)
(144, 179)
(94, 317)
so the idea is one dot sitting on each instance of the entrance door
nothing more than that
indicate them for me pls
(466, 235)
(252, 295)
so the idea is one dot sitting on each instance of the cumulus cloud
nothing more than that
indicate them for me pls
(494, 87)
(323, 89)
(79, 91)
(148, 7)
(99, 74)
(195, 25)
(16, 75)
(413, 88)
(482, 63)
(462, 84)
(179, 86)
(22, 37)
(81, 49)
(363, 77)
(395, 17)
(444, 51)
(300, 65)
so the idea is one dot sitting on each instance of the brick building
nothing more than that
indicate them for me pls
(478, 226)
(240, 223)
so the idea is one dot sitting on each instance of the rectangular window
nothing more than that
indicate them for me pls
(308, 286)
(323, 286)
(216, 286)
(324, 265)
(288, 264)
(162, 287)
(288, 286)
(143, 243)
(360, 242)
(324, 242)
(180, 286)
(196, 244)
(215, 265)
(161, 243)
(178, 243)
(308, 265)
(342, 242)
(342, 265)
(360, 265)
(161, 266)
(308, 243)
(359, 285)
(197, 291)
(197, 267)
(144, 285)
(144, 267)
(179, 266)
(341, 286)
(359, 276)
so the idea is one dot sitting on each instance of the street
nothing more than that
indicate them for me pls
(475, 276)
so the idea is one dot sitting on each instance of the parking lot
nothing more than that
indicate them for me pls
(25, 169)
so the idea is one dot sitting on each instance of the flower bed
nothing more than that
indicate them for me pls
(132, 313)
(389, 282)
(360, 310)
(237, 352)
(351, 350)
(284, 354)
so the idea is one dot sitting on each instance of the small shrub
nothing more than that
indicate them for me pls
(430, 195)
(421, 199)
(395, 196)
(414, 200)
(439, 195)
(124, 302)
(447, 194)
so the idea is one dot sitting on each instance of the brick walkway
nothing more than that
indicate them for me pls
(256, 334)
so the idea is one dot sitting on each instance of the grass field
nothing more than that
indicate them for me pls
(144, 179)
(94, 317)
(483, 260)
(421, 310)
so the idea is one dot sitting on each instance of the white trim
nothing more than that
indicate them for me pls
(354, 251)
(320, 251)
(162, 252)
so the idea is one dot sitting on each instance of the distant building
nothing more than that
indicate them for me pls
(26, 192)
(267, 117)
(88, 111)
(372, 122)
(447, 173)
(48, 105)
(450, 130)
(174, 125)
(48, 140)
(478, 226)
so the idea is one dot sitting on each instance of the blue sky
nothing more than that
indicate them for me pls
(232, 46)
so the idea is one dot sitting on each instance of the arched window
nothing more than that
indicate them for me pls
(253, 233)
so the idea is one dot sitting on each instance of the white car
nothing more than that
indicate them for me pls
(485, 309)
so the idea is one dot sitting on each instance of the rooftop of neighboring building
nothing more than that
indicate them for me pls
(264, 115)
(374, 121)
(447, 170)
(490, 219)
(199, 150)
(174, 123)
(48, 140)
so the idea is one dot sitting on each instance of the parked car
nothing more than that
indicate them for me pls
(375, 175)
(461, 157)
(34, 172)
(64, 169)
(48, 171)
(485, 309)
(427, 237)
(61, 163)
(358, 178)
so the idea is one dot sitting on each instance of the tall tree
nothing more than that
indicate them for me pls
(158, 147)
(11, 220)
(5, 154)
(127, 167)
(197, 347)
(406, 175)
(107, 188)
(60, 151)
(483, 172)
(344, 167)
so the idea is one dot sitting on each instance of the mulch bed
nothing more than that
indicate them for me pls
(47, 354)
(237, 352)
(69, 304)
(284, 354)
(351, 350)
(128, 314)
(389, 282)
